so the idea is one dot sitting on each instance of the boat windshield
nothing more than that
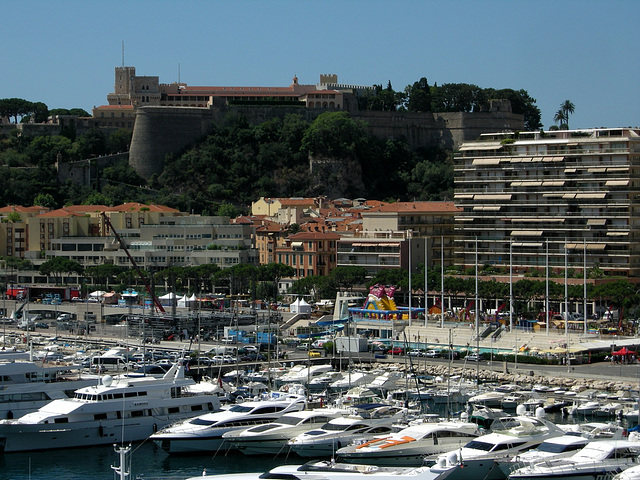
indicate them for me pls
(559, 448)
(289, 420)
(264, 427)
(240, 409)
(478, 445)
(201, 421)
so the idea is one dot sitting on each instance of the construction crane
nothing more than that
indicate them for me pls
(156, 302)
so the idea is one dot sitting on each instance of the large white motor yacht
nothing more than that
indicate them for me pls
(373, 420)
(509, 436)
(271, 438)
(411, 445)
(204, 433)
(597, 460)
(117, 410)
(323, 470)
(26, 386)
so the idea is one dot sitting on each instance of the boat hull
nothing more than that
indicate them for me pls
(28, 437)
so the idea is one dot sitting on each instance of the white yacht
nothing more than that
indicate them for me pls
(411, 445)
(375, 420)
(116, 410)
(204, 433)
(271, 438)
(26, 386)
(597, 460)
(323, 470)
(350, 380)
(509, 437)
(631, 473)
(303, 375)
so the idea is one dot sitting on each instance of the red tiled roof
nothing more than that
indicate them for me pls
(291, 202)
(415, 207)
(301, 236)
(136, 207)
(21, 209)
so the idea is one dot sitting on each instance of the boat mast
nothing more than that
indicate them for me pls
(121, 470)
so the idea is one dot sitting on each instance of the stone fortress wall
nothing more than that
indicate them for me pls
(160, 131)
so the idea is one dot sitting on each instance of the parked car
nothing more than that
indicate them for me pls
(416, 353)
(396, 351)
(473, 357)
(314, 353)
(432, 354)
(41, 325)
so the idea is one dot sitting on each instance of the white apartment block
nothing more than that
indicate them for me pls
(572, 193)
(173, 242)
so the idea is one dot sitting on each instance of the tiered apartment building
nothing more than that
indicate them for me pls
(157, 237)
(572, 193)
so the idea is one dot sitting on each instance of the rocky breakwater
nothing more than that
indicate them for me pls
(526, 377)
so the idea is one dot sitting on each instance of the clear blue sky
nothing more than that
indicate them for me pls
(63, 52)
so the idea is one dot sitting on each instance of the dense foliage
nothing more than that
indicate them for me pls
(239, 163)
(450, 97)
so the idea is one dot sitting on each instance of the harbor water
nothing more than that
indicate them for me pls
(147, 461)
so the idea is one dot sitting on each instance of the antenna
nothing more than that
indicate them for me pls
(123, 53)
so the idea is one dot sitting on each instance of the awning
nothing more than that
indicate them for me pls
(597, 221)
(493, 208)
(486, 196)
(463, 195)
(527, 244)
(598, 195)
(617, 234)
(617, 183)
(553, 183)
(296, 244)
(492, 146)
(486, 161)
(526, 233)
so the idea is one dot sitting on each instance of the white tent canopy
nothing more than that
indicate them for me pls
(300, 306)
(168, 299)
(187, 302)
(97, 294)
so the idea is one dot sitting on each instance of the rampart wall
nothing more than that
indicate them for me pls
(84, 172)
(159, 131)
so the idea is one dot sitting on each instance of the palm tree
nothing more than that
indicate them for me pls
(567, 107)
(560, 118)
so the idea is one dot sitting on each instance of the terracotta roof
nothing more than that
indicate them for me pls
(415, 207)
(61, 213)
(86, 208)
(301, 236)
(291, 202)
(21, 209)
(136, 207)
